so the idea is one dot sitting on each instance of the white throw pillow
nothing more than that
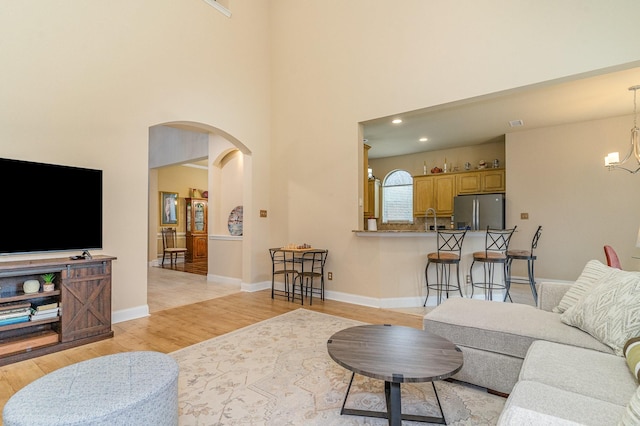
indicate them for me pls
(610, 311)
(593, 270)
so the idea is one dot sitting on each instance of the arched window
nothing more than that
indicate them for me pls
(397, 197)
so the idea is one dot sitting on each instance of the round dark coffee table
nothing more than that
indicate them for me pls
(396, 355)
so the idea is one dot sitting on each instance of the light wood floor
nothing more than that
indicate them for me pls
(180, 317)
(174, 328)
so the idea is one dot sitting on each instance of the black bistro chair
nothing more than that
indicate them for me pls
(283, 264)
(312, 271)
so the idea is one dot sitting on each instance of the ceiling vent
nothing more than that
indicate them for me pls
(516, 123)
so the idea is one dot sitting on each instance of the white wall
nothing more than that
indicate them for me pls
(557, 175)
(84, 81)
(353, 61)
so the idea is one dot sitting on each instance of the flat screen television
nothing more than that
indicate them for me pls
(49, 207)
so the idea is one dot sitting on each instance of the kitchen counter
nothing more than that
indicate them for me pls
(407, 233)
(400, 258)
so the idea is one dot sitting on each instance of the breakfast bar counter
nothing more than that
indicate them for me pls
(399, 258)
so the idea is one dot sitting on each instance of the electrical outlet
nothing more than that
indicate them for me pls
(468, 279)
(263, 213)
(330, 275)
(524, 216)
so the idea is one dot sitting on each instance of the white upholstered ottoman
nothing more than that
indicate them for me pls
(129, 388)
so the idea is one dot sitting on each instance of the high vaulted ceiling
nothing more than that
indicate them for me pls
(487, 118)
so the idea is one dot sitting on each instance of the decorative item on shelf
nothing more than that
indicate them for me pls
(424, 168)
(31, 286)
(436, 169)
(235, 221)
(205, 194)
(467, 166)
(496, 163)
(612, 160)
(482, 164)
(444, 167)
(48, 284)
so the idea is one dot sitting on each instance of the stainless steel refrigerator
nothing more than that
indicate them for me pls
(476, 212)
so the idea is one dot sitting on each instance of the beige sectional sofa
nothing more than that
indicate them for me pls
(554, 373)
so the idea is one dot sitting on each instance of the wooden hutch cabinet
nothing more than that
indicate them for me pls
(197, 231)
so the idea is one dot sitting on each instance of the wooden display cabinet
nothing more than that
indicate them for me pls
(197, 234)
(83, 290)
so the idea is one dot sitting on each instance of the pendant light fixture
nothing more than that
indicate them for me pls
(612, 160)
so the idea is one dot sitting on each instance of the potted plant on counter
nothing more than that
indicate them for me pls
(48, 281)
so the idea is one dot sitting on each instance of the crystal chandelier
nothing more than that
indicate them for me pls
(612, 161)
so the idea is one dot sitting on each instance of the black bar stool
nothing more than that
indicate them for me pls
(449, 248)
(496, 246)
(527, 255)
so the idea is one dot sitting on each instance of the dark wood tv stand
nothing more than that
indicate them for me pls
(83, 290)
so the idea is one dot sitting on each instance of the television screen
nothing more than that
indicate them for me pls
(48, 207)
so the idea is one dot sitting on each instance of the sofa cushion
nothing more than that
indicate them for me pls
(632, 354)
(631, 415)
(505, 328)
(518, 416)
(590, 373)
(552, 401)
(592, 271)
(610, 310)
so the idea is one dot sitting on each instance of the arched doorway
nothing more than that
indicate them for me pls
(224, 160)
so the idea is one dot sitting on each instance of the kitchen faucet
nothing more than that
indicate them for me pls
(435, 224)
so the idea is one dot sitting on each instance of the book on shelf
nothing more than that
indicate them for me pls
(46, 306)
(12, 311)
(47, 315)
(47, 312)
(17, 313)
(14, 305)
(15, 320)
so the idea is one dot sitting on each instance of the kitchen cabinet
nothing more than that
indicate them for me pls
(196, 230)
(372, 207)
(365, 168)
(435, 191)
(481, 181)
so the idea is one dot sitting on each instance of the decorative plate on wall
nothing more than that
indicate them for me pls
(235, 221)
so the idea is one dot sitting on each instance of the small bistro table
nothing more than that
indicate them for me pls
(395, 354)
(293, 261)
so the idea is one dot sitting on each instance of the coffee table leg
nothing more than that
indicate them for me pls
(346, 395)
(394, 407)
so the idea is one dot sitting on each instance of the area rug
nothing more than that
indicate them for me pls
(278, 372)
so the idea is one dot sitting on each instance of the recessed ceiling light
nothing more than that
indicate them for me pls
(397, 121)
(516, 123)
(423, 139)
